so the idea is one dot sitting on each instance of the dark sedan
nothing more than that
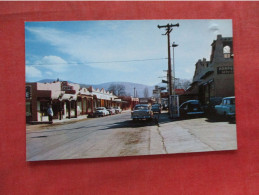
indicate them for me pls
(191, 108)
(156, 108)
(142, 111)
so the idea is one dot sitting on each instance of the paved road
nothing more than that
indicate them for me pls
(118, 135)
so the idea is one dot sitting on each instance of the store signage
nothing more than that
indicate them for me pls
(164, 81)
(67, 88)
(28, 92)
(164, 95)
(143, 100)
(155, 91)
(225, 70)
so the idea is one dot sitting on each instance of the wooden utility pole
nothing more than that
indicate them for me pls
(169, 28)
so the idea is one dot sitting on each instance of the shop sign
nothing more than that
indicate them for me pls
(28, 92)
(225, 70)
(143, 100)
(155, 91)
(67, 88)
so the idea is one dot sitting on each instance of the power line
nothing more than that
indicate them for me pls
(101, 62)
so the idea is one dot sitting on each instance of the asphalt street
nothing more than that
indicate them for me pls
(118, 135)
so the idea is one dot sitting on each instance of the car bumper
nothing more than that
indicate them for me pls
(231, 115)
(194, 113)
(141, 117)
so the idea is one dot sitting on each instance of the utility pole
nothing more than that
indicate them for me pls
(169, 28)
(134, 92)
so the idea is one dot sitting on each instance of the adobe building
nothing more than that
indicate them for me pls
(61, 95)
(68, 100)
(214, 78)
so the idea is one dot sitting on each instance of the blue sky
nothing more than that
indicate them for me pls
(94, 52)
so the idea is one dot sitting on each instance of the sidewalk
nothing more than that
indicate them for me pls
(54, 121)
(37, 125)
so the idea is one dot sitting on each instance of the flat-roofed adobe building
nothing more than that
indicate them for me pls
(215, 78)
(61, 95)
(68, 100)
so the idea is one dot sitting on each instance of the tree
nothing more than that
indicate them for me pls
(182, 83)
(186, 84)
(146, 92)
(117, 89)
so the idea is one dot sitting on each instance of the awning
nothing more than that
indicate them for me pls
(207, 74)
(68, 97)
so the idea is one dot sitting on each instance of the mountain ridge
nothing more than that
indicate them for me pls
(129, 86)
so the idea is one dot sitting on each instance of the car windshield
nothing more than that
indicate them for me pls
(99, 108)
(141, 108)
(155, 106)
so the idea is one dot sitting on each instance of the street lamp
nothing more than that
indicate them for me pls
(174, 45)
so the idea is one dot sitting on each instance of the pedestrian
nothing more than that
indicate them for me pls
(50, 113)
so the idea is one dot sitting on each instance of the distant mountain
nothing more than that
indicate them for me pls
(50, 81)
(129, 87)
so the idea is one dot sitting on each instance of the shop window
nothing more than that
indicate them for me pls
(28, 108)
(226, 52)
(73, 104)
(89, 105)
(44, 108)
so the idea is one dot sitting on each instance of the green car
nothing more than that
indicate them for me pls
(227, 107)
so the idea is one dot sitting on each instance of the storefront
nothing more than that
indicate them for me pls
(215, 78)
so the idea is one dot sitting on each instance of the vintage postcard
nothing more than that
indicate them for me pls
(117, 88)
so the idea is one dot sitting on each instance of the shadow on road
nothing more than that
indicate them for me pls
(162, 119)
(158, 119)
(215, 118)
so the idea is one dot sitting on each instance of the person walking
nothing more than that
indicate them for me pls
(50, 113)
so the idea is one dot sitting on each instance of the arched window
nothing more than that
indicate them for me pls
(226, 52)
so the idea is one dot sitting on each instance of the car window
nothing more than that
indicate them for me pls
(224, 102)
(185, 105)
(141, 107)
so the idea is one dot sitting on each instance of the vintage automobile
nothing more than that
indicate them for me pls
(209, 108)
(117, 110)
(111, 110)
(191, 108)
(156, 108)
(142, 111)
(227, 107)
(101, 111)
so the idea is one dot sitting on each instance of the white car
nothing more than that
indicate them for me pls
(101, 111)
(111, 110)
(117, 110)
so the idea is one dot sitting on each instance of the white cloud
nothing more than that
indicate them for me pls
(53, 63)
(107, 47)
(214, 28)
(33, 72)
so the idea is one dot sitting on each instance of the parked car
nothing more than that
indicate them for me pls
(142, 111)
(227, 107)
(117, 110)
(111, 110)
(156, 108)
(101, 111)
(209, 108)
(191, 108)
